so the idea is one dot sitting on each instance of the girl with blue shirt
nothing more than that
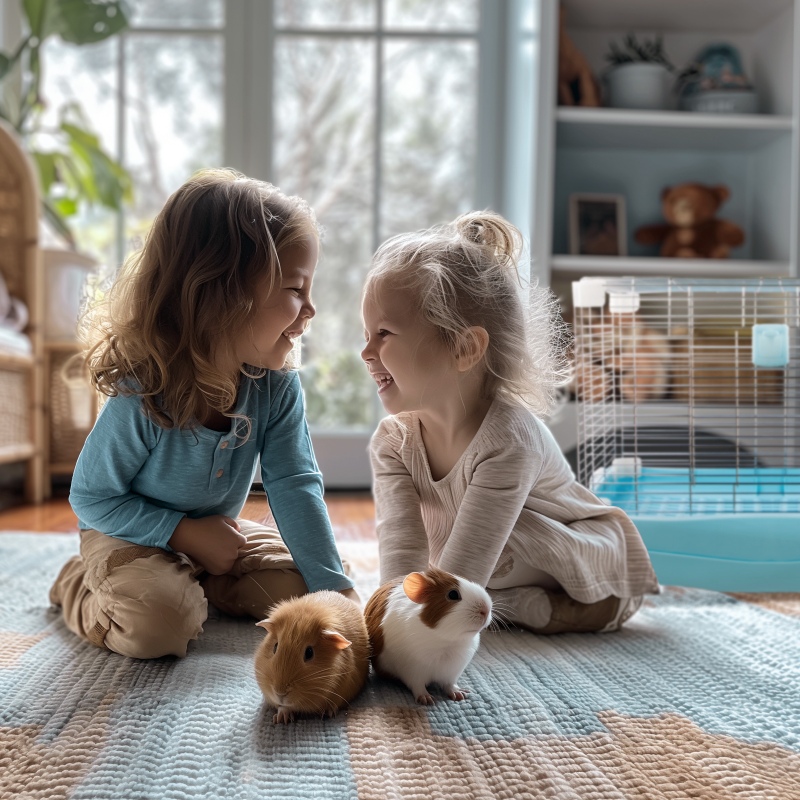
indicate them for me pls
(194, 346)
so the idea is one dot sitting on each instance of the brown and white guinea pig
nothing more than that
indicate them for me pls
(425, 628)
(315, 659)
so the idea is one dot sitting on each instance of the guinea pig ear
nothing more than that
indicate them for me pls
(416, 585)
(337, 640)
(265, 624)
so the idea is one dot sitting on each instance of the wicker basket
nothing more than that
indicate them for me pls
(72, 407)
(15, 417)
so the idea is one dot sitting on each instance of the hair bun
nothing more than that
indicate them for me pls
(487, 229)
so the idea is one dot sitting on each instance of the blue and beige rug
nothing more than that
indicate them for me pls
(699, 697)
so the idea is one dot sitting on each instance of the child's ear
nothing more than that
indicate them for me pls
(472, 347)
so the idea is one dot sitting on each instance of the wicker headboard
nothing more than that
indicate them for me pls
(19, 220)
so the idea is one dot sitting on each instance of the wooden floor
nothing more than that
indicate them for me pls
(352, 516)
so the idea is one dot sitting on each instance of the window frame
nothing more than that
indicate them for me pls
(249, 129)
(342, 454)
(505, 169)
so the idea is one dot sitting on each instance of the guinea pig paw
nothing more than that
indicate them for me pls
(455, 693)
(425, 699)
(283, 715)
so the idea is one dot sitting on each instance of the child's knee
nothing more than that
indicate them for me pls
(254, 593)
(152, 615)
(163, 637)
(157, 623)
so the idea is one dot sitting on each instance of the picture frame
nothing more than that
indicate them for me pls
(597, 225)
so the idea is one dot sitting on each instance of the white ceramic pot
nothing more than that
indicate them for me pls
(638, 85)
(65, 276)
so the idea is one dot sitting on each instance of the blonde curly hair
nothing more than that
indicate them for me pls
(177, 306)
(464, 274)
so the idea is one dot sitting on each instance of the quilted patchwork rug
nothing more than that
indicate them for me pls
(699, 697)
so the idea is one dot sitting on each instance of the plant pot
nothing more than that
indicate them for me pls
(638, 85)
(65, 276)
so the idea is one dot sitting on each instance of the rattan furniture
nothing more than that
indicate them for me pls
(71, 404)
(22, 375)
(70, 410)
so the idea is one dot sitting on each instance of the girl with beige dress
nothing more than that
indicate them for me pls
(466, 475)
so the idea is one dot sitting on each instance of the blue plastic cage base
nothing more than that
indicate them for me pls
(725, 575)
(725, 529)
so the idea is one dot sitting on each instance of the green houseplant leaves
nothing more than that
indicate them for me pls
(75, 169)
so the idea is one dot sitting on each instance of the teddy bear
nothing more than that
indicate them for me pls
(692, 230)
(577, 84)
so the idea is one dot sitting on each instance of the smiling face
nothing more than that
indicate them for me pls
(282, 315)
(412, 367)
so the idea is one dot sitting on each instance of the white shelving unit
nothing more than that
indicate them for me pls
(618, 128)
(638, 153)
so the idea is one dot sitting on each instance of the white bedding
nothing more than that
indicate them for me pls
(14, 342)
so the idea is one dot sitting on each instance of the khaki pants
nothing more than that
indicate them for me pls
(146, 602)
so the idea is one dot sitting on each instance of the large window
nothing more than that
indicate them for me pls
(386, 115)
(155, 97)
(374, 123)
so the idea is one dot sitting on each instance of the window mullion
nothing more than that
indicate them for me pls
(261, 47)
(122, 118)
(249, 75)
(491, 106)
(377, 179)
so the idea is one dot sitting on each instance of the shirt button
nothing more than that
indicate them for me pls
(219, 473)
(223, 445)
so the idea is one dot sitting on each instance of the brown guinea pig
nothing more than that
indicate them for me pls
(315, 658)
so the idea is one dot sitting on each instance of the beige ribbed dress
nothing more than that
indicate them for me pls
(511, 498)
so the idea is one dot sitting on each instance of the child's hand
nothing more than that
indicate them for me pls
(213, 542)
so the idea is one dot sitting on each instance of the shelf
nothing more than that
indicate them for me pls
(66, 468)
(578, 266)
(667, 130)
(743, 16)
(16, 360)
(62, 345)
(16, 452)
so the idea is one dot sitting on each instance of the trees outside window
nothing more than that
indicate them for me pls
(154, 95)
(375, 124)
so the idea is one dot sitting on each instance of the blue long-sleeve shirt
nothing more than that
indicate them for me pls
(135, 480)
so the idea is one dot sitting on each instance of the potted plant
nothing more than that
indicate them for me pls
(638, 76)
(73, 167)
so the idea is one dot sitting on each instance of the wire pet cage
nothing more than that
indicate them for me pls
(689, 420)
